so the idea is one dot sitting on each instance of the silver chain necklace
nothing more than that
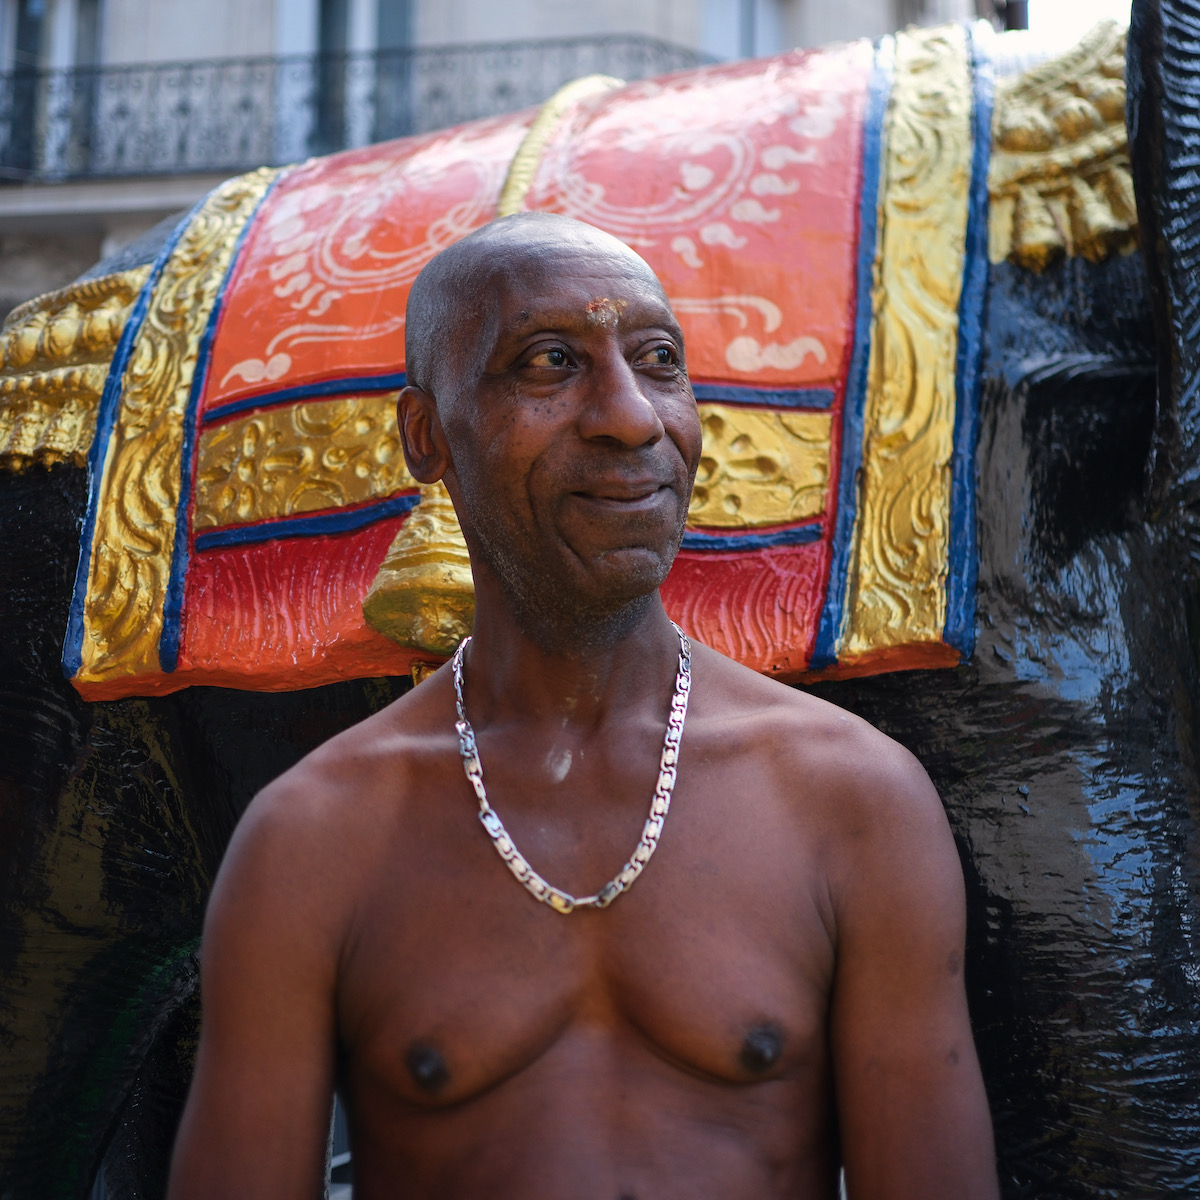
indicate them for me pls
(659, 806)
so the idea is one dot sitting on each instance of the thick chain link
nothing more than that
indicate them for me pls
(660, 805)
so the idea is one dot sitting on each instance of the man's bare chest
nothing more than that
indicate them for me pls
(455, 979)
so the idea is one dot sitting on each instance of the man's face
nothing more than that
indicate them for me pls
(575, 444)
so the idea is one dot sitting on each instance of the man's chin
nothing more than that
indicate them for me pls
(579, 586)
(625, 574)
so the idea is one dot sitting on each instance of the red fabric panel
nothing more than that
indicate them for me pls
(266, 615)
(322, 280)
(739, 185)
(760, 607)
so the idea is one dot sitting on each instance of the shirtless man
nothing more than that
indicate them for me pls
(778, 993)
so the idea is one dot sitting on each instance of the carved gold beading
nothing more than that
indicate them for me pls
(1059, 177)
(298, 459)
(131, 551)
(896, 587)
(54, 358)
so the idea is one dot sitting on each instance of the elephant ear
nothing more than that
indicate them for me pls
(1163, 114)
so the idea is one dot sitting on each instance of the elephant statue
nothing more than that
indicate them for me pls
(941, 299)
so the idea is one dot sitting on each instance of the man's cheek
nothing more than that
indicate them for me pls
(690, 441)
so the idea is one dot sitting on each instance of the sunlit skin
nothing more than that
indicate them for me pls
(780, 992)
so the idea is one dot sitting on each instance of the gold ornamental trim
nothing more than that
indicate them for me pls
(760, 467)
(132, 543)
(301, 458)
(55, 352)
(898, 567)
(523, 168)
(1059, 178)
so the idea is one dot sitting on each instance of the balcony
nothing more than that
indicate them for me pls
(229, 115)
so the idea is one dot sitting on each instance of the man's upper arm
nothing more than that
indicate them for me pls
(257, 1116)
(911, 1104)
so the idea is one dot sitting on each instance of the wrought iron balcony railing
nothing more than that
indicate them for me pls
(234, 114)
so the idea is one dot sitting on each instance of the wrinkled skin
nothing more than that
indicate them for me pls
(1064, 751)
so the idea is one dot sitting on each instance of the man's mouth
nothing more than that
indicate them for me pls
(626, 495)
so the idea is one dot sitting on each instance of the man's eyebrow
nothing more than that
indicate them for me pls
(576, 317)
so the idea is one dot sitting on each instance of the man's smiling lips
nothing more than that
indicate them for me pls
(625, 497)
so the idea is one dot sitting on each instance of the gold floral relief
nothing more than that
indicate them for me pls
(132, 545)
(1059, 178)
(760, 467)
(298, 459)
(897, 571)
(55, 353)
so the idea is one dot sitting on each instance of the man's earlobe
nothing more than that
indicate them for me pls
(421, 436)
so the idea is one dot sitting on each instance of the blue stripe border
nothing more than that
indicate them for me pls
(347, 386)
(799, 535)
(721, 393)
(106, 416)
(343, 520)
(829, 629)
(963, 573)
(168, 642)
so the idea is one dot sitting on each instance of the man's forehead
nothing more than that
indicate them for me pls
(573, 287)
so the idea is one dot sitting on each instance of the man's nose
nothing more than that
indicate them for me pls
(616, 406)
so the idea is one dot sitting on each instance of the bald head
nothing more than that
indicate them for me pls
(451, 308)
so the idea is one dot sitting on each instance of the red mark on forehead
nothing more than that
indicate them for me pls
(605, 312)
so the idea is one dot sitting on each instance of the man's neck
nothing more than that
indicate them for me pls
(578, 675)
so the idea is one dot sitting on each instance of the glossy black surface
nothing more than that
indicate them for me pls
(1066, 752)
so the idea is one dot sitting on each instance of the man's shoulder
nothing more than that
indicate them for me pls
(860, 801)
(832, 753)
(307, 841)
(365, 775)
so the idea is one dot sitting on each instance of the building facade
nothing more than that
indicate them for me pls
(116, 114)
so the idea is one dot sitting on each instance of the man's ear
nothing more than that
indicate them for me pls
(421, 435)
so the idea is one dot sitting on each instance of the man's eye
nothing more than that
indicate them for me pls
(660, 356)
(554, 358)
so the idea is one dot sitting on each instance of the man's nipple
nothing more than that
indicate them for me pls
(427, 1067)
(762, 1048)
